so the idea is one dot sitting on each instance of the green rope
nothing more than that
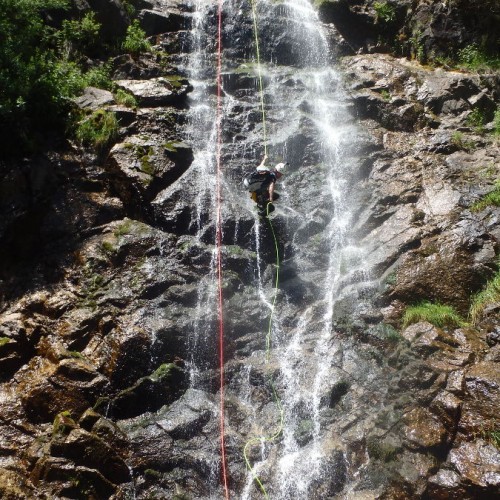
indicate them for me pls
(279, 430)
(259, 73)
(276, 284)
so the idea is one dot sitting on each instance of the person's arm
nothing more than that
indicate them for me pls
(271, 192)
(263, 162)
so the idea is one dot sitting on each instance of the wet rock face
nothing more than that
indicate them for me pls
(432, 28)
(107, 260)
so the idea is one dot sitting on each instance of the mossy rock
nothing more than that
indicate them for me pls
(63, 424)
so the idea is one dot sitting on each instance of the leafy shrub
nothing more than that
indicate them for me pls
(437, 314)
(129, 8)
(490, 295)
(474, 58)
(69, 78)
(386, 13)
(98, 129)
(80, 35)
(29, 97)
(99, 77)
(491, 199)
(136, 42)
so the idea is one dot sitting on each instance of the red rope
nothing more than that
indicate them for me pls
(219, 246)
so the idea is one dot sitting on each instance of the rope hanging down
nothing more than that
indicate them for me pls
(259, 74)
(279, 430)
(219, 247)
(265, 439)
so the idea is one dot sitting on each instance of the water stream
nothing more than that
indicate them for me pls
(302, 93)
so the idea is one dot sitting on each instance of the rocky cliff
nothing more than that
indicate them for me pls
(108, 356)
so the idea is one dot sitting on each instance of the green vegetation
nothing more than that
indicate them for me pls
(30, 97)
(129, 7)
(386, 95)
(163, 371)
(75, 354)
(386, 332)
(136, 42)
(125, 99)
(490, 295)
(145, 155)
(474, 58)
(98, 129)
(458, 139)
(494, 438)
(108, 248)
(153, 473)
(477, 120)
(100, 77)
(43, 67)
(78, 36)
(4, 340)
(496, 123)
(386, 13)
(124, 228)
(492, 199)
(437, 314)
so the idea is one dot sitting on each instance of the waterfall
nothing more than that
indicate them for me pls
(310, 127)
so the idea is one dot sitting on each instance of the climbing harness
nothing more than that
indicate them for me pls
(219, 247)
(265, 439)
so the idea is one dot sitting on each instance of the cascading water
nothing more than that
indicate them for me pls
(309, 126)
(304, 376)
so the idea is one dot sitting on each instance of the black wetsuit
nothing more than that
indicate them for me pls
(259, 183)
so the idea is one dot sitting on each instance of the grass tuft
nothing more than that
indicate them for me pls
(490, 295)
(437, 314)
(98, 130)
(492, 199)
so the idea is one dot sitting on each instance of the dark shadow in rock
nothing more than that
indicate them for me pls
(166, 384)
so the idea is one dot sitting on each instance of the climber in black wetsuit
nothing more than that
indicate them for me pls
(261, 185)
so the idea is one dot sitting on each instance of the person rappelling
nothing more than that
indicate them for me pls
(261, 183)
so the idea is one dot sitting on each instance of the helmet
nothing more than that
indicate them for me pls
(280, 167)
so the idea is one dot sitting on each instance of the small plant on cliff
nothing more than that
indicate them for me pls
(99, 77)
(477, 120)
(489, 200)
(496, 123)
(458, 140)
(386, 95)
(4, 340)
(474, 58)
(98, 130)
(385, 12)
(136, 42)
(437, 314)
(125, 99)
(494, 437)
(124, 228)
(78, 36)
(490, 295)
